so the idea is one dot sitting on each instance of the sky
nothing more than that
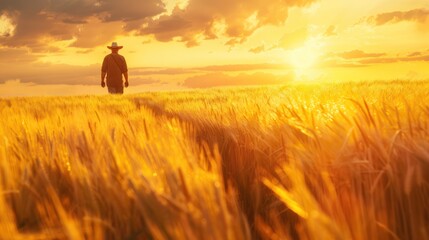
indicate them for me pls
(56, 47)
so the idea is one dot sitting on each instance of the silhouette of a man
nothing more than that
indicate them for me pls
(114, 66)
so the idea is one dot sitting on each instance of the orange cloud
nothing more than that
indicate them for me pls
(208, 19)
(213, 68)
(395, 59)
(37, 21)
(414, 54)
(337, 63)
(15, 56)
(7, 29)
(359, 58)
(51, 74)
(416, 15)
(330, 31)
(163, 71)
(243, 67)
(257, 49)
(95, 33)
(359, 54)
(221, 79)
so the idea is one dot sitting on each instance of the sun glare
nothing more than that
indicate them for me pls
(305, 57)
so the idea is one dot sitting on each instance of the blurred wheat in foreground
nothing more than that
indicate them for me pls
(301, 161)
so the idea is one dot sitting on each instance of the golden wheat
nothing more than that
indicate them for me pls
(302, 161)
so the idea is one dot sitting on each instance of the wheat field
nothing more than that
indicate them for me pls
(296, 161)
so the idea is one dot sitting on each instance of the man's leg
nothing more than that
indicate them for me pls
(111, 90)
(120, 90)
(116, 90)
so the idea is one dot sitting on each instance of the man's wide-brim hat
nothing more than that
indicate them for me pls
(114, 46)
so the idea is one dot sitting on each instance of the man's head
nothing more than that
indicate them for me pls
(114, 47)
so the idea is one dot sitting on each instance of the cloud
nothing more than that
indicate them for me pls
(221, 79)
(35, 22)
(257, 49)
(43, 73)
(379, 60)
(163, 71)
(106, 10)
(359, 58)
(208, 19)
(7, 28)
(129, 10)
(16, 82)
(395, 59)
(336, 63)
(150, 74)
(243, 67)
(420, 15)
(414, 54)
(31, 29)
(74, 21)
(143, 81)
(16, 56)
(212, 68)
(95, 33)
(359, 54)
(92, 23)
(330, 31)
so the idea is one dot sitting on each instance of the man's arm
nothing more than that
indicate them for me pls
(125, 72)
(126, 79)
(103, 76)
(103, 72)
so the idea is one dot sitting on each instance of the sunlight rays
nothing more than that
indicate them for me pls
(304, 58)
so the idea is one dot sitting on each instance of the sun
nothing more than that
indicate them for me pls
(304, 58)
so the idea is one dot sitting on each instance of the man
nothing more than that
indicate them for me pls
(114, 66)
